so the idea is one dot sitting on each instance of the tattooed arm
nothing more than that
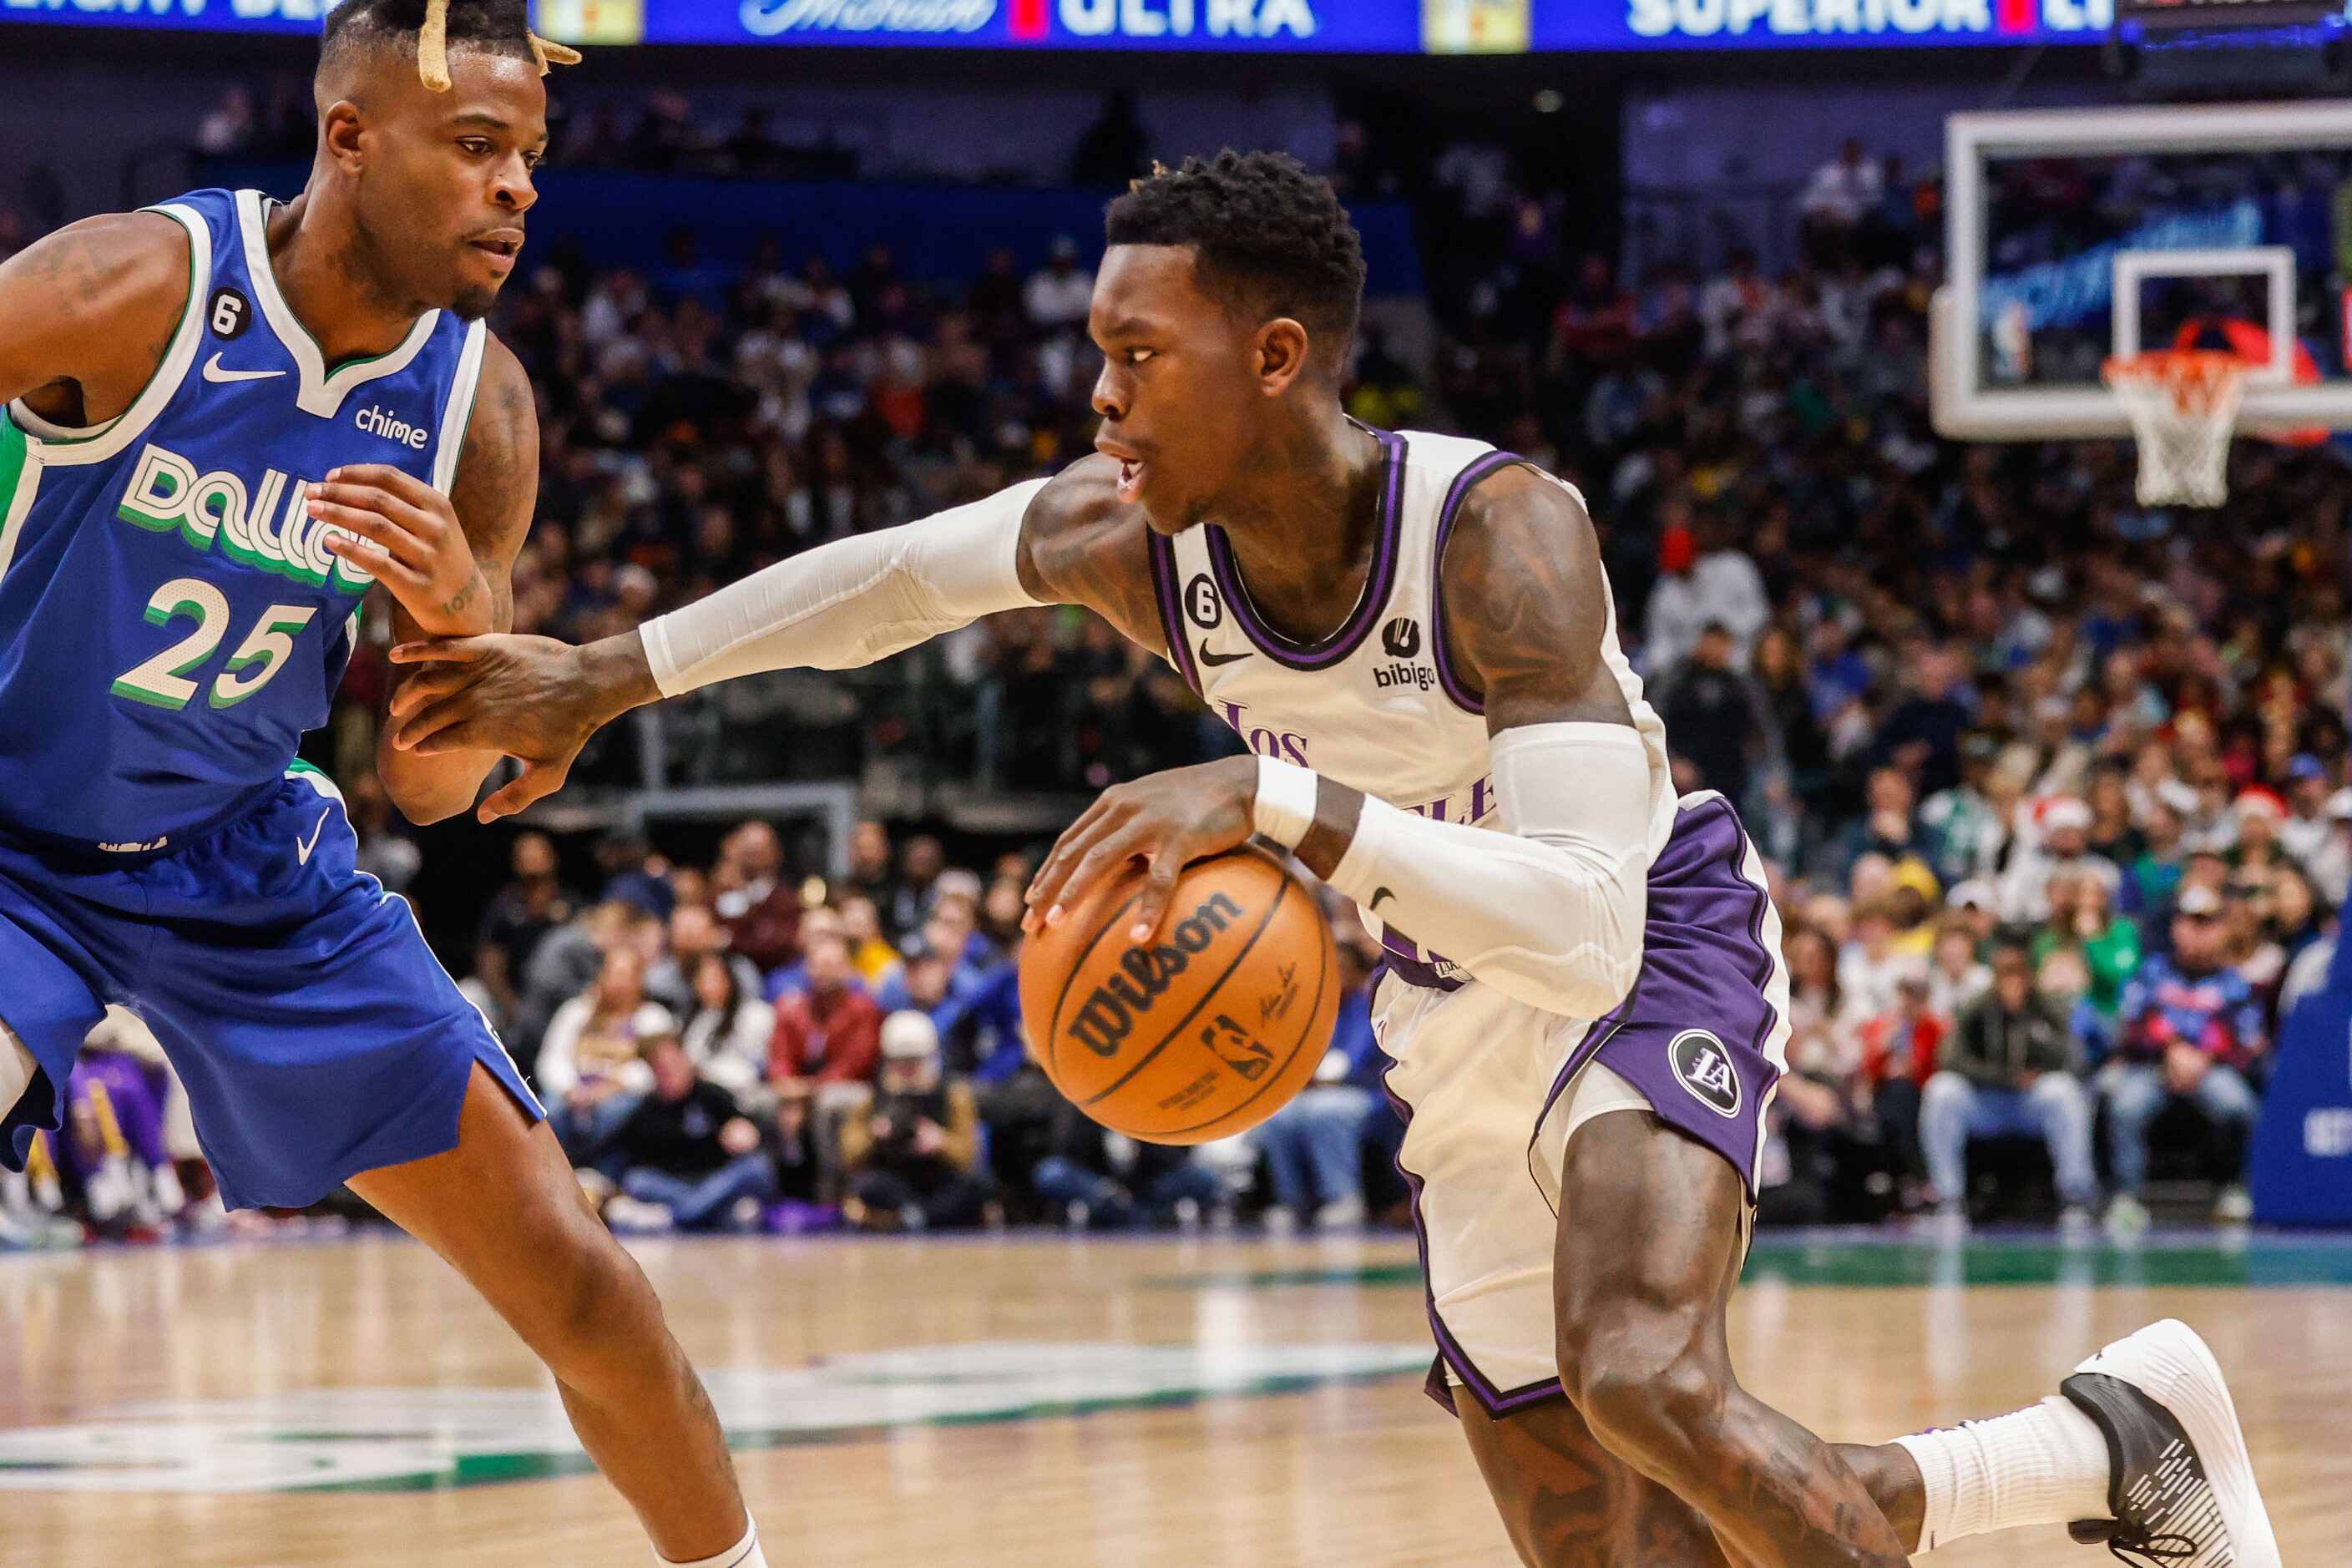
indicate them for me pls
(1549, 910)
(1064, 540)
(447, 561)
(87, 313)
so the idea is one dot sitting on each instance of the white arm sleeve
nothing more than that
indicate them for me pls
(1549, 911)
(850, 602)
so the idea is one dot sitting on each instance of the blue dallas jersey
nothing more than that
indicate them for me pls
(171, 622)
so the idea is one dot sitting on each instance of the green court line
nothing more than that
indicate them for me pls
(1866, 1261)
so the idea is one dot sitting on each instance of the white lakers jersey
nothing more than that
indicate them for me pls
(1377, 706)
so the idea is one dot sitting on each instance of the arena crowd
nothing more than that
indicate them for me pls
(2052, 786)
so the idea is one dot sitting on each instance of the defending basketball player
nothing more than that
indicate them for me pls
(231, 419)
(1584, 1003)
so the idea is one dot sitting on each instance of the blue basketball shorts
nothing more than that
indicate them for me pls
(316, 1034)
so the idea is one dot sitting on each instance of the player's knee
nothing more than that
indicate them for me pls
(1644, 1389)
(593, 1316)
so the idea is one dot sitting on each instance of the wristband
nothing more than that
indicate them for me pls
(1283, 807)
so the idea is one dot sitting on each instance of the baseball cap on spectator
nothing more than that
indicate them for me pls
(2197, 902)
(1677, 549)
(957, 882)
(2302, 766)
(2178, 793)
(1976, 893)
(1912, 872)
(2259, 799)
(2063, 811)
(909, 1035)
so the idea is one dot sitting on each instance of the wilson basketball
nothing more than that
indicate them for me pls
(1204, 1030)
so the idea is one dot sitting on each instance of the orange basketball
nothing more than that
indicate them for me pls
(1202, 1032)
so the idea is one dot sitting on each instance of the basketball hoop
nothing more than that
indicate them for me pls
(2183, 404)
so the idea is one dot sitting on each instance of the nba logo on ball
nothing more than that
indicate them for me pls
(1703, 1068)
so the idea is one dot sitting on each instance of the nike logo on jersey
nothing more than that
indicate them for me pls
(1378, 894)
(214, 373)
(1213, 659)
(301, 850)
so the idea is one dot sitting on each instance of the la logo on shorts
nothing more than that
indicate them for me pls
(1703, 1068)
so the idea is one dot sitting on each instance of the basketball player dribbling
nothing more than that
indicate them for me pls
(230, 419)
(1584, 998)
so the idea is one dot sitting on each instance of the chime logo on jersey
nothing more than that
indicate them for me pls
(1703, 1068)
(267, 527)
(376, 421)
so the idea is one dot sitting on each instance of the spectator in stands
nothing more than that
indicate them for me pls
(1714, 715)
(921, 861)
(1094, 1179)
(2009, 1066)
(830, 1033)
(1841, 193)
(1922, 735)
(1698, 585)
(590, 1067)
(695, 934)
(112, 1144)
(728, 1029)
(1956, 976)
(873, 958)
(520, 915)
(634, 875)
(2081, 918)
(1872, 965)
(2064, 827)
(762, 911)
(568, 961)
(912, 1154)
(1059, 294)
(2190, 1025)
(689, 1156)
(869, 876)
(1314, 1146)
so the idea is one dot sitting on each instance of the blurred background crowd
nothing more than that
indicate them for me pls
(2052, 786)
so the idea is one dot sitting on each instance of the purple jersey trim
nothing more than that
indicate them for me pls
(1401, 957)
(1494, 1402)
(1698, 970)
(1171, 610)
(1464, 482)
(1331, 651)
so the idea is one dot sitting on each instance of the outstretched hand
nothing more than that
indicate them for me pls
(532, 698)
(1167, 821)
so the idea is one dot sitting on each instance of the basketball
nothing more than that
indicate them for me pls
(1202, 1032)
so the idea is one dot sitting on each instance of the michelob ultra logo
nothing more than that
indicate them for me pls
(267, 527)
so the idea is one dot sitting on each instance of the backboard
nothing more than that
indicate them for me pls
(2073, 236)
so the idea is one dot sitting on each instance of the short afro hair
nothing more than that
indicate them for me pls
(1269, 237)
(428, 29)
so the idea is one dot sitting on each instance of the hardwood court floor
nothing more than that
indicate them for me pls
(1028, 1401)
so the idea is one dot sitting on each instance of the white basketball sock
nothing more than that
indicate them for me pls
(744, 1554)
(2046, 1465)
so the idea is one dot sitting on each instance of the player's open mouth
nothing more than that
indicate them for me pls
(504, 245)
(1131, 477)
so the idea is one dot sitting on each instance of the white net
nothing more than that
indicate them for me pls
(2183, 404)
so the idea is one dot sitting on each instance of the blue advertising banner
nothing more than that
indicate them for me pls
(206, 15)
(1347, 27)
(1262, 26)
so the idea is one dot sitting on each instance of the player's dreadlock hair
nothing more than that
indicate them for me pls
(431, 26)
(1270, 236)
